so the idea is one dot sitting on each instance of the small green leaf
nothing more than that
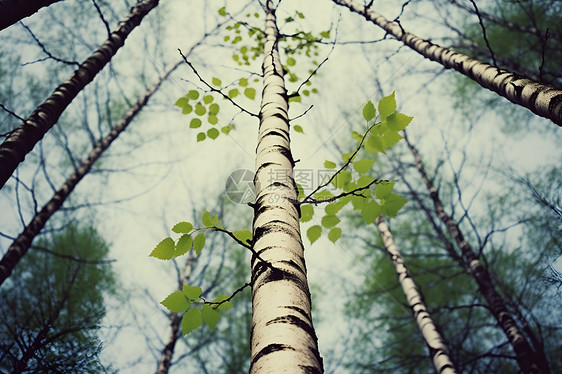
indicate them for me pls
(216, 82)
(243, 82)
(195, 123)
(211, 316)
(384, 189)
(300, 192)
(346, 156)
(200, 109)
(187, 109)
(298, 129)
(398, 121)
(329, 165)
(323, 195)
(335, 207)
(183, 246)
(233, 93)
(164, 250)
(363, 166)
(295, 99)
(213, 120)
(191, 320)
(176, 302)
(182, 102)
(334, 234)
(393, 203)
(182, 227)
(307, 212)
(370, 211)
(325, 34)
(390, 138)
(213, 133)
(226, 129)
(193, 94)
(313, 233)
(364, 181)
(250, 93)
(214, 108)
(291, 61)
(387, 105)
(342, 178)
(199, 243)
(222, 11)
(224, 306)
(329, 221)
(207, 99)
(374, 144)
(243, 235)
(201, 136)
(369, 111)
(192, 292)
(206, 219)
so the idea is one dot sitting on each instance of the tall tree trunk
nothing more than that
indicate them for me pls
(175, 322)
(12, 11)
(22, 243)
(22, 140)
(529, 361)
(542, 100)
(283, 337)
(437, 348)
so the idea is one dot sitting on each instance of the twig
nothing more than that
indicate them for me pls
(44, 49)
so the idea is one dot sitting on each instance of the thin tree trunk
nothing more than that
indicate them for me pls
(22, 243)
(438, 350)
(175, 322)
(283, 337)
(529, 361)
(22, 140)
(542, 100)
(12, 11)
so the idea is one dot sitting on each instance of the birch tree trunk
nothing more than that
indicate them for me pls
(22, 243)
(542, 100)
(22, 140)
(437, 348)
(283, 337)
(12, 11)
(529, 361)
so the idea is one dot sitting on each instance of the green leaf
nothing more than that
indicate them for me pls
(187, 109)
(201, 136)
(195, 123)
(243, 82)
(346, 156)
(222, 11)
(213, 133)
(370, 211)
(199, 243)
(182, 227)
(176, 302)
(323, 195)
(387, 105)
(325, 34)
(216, 82)
(374, 144)
(393, 203)
(226, 129)
(214, 108)
(211, 316)
(329, 221)
(369, 111)
(213, 120)
(313, 233)
(342, 178)
(300, 192)
(192, 292)
(291, 61)
(398, 121)
(250, 93)
(363, 166)
(334, 234)
(358, 202)
(335, 207)
(298, 129)
(384, 189)
(207, 99)
(233, 93)
(295, 99)
(164, 250)
(243, 235)
(182, 102)
(224, 306)
(193, 94)
(390, 138)
(364, 181)
(200, 109)
(307, 212)
(183, 246)
(329, 165)
(206, 219)
(191, 320)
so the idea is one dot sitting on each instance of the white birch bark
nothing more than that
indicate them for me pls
(542, 100)
(283, 337)
(437, 348)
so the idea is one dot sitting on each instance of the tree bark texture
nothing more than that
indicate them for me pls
(438, 350)
(283, 338)
(22, 243)
(12, 11)
(22, 140)
(542, 100)
(529, 361)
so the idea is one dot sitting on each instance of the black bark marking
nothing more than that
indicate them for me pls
(311, 369)
(270, 349)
